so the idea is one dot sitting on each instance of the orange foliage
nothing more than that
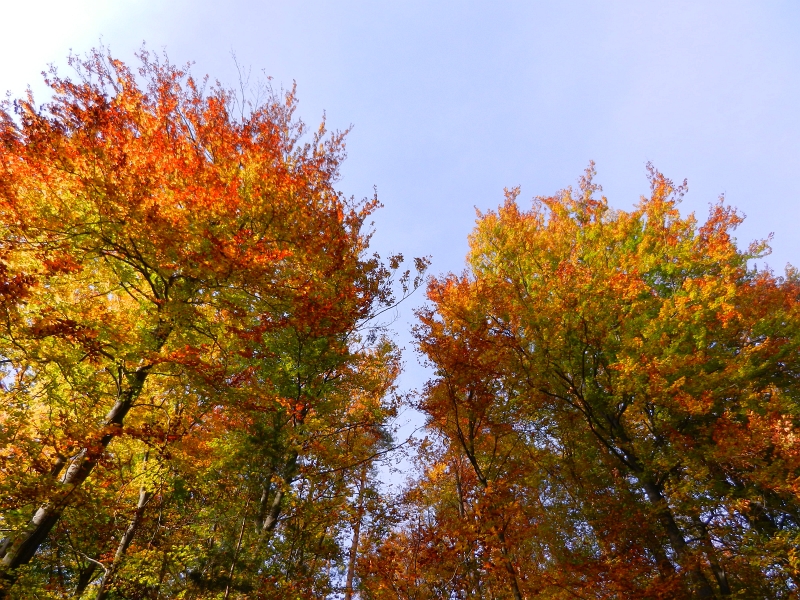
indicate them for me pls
(183, 293)
(623, 388)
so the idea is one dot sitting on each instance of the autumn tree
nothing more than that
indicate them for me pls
(616, 407)
(192, 376)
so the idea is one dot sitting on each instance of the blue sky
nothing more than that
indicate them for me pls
(453, 101)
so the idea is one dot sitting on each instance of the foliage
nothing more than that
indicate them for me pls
(614, 408)
(191, 370)
(195, 388)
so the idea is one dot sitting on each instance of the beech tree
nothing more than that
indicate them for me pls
(614, 409)
(195, 387)
(192, 379)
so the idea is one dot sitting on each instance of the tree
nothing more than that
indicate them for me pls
(186, 339)
(623, 389)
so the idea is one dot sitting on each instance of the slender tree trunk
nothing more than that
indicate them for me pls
(124, 543)
(263, 505)
(666, 568)
(700, 586)
(274, 512)
(711, 554)
(472, 572)
(504, 550)
(25, 544)
(236, 551)
(163, 572)
(84, 579)
(509, 564)
(699, 581)
(271, 520)
(351, 563)
(457, 472)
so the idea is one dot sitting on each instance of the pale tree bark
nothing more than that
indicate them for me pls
(124, 543)
(351, 563)
(236, 551)
(263, 504)
(55, 471)
(25, 543)
(271, 520)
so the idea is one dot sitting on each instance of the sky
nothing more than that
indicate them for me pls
(450, 102)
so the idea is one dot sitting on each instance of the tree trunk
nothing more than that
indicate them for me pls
(271, 521)
(263, 505)
(504, 551)
(711, 554)
(457, 472)
(26, 543)
(236, 551)
(698, 579)
(699, 583)
(84, 579)
(351, 563)
(127, 538)
(509, 564)
(55, 471)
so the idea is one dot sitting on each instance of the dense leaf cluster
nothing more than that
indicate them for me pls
(614, 414)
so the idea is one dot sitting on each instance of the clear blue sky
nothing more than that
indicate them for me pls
(452, 101)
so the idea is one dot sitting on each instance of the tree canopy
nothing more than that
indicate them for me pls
(196, 386)
(614, 411)
(187, 352)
